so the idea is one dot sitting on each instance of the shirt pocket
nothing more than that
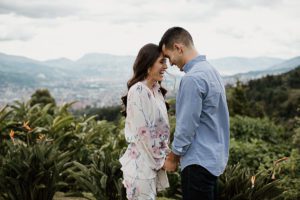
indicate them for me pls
(211, 102)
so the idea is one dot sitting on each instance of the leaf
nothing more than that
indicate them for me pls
(103, 181)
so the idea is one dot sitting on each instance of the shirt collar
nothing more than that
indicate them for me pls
(188, 66)
(156, 85)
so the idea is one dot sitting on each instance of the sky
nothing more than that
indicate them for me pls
(49, 29)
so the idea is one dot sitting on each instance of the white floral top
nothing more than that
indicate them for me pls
(146, 131)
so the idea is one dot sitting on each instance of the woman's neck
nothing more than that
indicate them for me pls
(150, 83)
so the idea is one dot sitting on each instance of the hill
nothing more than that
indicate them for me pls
(275, 96)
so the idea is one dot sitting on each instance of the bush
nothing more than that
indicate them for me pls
(103, 177)
(238, 182)
(32, 172)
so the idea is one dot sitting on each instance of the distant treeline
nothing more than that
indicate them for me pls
(276, 97)
(110, 113)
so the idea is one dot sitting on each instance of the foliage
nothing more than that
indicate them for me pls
(238, 182)
(103, 177)
(260, 97)
(246, 128)
(46, 146)
(111, 113)
(32, 172)
(174, 191)
(289, 174)
(237, 101)
(43, 97)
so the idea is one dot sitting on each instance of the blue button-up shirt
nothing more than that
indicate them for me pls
(202, 120)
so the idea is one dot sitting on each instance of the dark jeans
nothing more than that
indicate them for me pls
(198, 184)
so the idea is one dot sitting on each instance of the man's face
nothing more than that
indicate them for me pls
(174, 56)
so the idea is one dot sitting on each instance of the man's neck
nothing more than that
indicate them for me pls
(190, 54)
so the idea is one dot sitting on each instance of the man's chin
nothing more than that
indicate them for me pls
(180, 68)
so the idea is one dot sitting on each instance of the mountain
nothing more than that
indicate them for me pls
(105, 65)
(286, 65)
(96, 65)
(62, 63)
(100, 79)
(28, 71)
(234, 65)
(283, 67)
(115, 67)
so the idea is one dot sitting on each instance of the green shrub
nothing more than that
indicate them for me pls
(238, 182)
(32, 172)
(103, 177)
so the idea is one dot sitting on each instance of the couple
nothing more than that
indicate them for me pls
(201, 138)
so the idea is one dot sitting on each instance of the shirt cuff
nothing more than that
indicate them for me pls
(177, 151)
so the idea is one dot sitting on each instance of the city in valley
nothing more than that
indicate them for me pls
(99, 80)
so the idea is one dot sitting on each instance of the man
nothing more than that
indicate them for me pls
(201, 138)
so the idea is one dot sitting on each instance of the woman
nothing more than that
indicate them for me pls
(146, 127)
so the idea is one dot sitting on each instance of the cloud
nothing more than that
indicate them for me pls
(51, 28)
(38, 8)
(12, 28)
(16, 36)
(142, 12)
(241, 4)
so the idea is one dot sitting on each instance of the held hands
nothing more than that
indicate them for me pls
(171, 162)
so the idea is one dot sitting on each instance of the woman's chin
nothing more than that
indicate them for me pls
(160, 78)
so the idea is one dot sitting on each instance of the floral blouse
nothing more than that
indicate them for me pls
(146, 131)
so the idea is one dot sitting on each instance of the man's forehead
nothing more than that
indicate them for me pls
(164, 49)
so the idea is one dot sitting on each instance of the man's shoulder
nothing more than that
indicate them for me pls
(196, 81)
(197, 75)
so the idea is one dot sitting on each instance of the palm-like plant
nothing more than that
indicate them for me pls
(237, 183)
(103, 177)
(32, 172)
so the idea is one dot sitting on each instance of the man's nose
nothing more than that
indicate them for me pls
(165, 66)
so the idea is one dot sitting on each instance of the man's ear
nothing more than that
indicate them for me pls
(178, 47)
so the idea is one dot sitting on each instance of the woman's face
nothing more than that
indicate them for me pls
(156, 72)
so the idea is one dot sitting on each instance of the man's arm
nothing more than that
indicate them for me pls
(188, 112)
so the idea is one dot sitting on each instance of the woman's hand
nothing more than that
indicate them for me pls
(171, 162)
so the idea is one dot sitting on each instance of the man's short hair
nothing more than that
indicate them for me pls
(176, 35)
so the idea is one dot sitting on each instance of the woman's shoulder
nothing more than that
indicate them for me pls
(138, 89)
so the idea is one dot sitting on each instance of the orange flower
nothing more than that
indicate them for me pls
(252, 181)
(12, 134)
(26, 126)
(42, 136)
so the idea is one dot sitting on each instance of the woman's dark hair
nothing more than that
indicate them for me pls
(145, 59)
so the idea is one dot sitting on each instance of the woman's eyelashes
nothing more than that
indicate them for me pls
(163, 61)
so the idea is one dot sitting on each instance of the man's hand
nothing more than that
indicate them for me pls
(171, 162)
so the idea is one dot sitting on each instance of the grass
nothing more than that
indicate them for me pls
(61, 196)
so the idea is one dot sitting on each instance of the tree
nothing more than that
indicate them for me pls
(238, 103)
(43, 97)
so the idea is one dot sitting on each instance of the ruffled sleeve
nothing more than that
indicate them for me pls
(139, 114)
